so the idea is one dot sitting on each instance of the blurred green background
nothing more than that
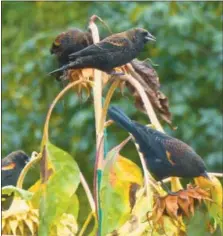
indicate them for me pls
(188, 52)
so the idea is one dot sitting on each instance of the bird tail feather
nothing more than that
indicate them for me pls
(71, 65)
(117, 115)
(61, 69)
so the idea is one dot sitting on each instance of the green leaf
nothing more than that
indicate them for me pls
(59, 188)
(73, 207)
(8, 190)
(215, 209)
(36, 190)
(118, 177)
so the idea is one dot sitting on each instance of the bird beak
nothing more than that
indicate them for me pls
(150, 37)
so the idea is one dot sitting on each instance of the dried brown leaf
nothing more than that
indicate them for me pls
(176, 206)
(159, 209)
(184, 205)
(172, 206)
(132, 194)
(149, 79)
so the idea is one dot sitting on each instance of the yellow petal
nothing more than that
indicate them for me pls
(215, 208)
(175, 184)
(13, 225)
(21, 227)
(29, 223)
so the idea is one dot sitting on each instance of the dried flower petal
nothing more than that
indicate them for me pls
(178, 205)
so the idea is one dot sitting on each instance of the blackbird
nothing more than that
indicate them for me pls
(69, 42)
(165, 156)
(113, 51)
(12, 166)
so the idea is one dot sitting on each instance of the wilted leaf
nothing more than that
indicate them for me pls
(8, 190)
(117, 184)
(149, 79)
(67, 225)
(59, 188)
(169, 226)
(178, 205)
(138, 226)
(171, 206)
(215, 207)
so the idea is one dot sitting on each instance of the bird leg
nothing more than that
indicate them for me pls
(164, 186)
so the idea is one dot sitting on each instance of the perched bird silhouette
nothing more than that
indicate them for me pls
(69, 42)
(12, 166)
(165, 156)
(113, 51)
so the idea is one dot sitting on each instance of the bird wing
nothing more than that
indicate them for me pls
(175, 146)
(175, 149)
(7, 164)
(150, 142)
(6, 174)
(109, 44)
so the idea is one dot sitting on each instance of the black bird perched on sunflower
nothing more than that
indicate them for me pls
(113, 51)
(69, 42)
(165, 156)
(12, 165)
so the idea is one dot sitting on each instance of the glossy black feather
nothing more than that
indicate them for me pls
(165, 156)
(110, 44)
(67, 43)
(12, 166)
(113, 51)
(18, 159)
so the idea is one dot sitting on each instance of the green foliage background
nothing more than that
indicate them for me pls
(188, 52)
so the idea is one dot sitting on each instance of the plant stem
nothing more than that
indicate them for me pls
(58, 97)
(219, 175)
(107, 102)
(88, 192)
(25, 171)
(97, 93)
(86, 223)
(146, 102)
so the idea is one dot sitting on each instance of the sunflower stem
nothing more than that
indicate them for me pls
(97, 94)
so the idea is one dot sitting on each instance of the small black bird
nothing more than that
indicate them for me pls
(113, 51)
(69, 42)
(165, 156)
(12, 166)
